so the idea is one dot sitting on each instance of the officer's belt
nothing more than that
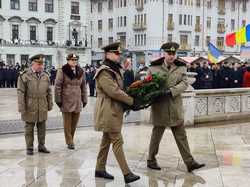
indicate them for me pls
(35, 96)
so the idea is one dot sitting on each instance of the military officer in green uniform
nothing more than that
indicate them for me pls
(34, 102)
(167, 111)
(108, 115)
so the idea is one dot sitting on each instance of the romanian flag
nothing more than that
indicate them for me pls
(213, 53)
(231, 39)
(241, 36)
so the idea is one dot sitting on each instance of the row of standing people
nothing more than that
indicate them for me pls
(35, 100)
(9, 75)
(217, 76)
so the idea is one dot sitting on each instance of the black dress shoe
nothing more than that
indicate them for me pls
(194, 165)
(43, 149)
(103, 174)
(153, 165)
(131, 178)
(71, 146)
(29, 152)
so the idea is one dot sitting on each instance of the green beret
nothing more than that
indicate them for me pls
(170, 47)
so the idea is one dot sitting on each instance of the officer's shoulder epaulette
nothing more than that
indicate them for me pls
(157, 62)
(179, 62)
(23, 72)
(46, 72)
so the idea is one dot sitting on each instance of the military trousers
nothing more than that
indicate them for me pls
(70, 120)
(114, 138)
(29, 133)
(180, 136)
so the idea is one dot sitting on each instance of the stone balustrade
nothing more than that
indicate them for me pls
(213, 106)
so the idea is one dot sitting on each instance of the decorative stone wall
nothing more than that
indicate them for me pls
(213, 106)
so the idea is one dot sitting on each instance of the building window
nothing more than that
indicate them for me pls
(33, 33)
(233, 5)
(33, 5)
(125, 21)
(99, 25)
(10, 59)
(24, 59)
(170, 37)
(15, 32)
(99, 42)
(220, 42)
(91, 40)
(0, 3)
(99, 7)
(111, 23)
(145, 39)
(170, 2)
(125, 3)
(244, 5)
(135, 40)
(110, 5)
(49, 5)
(189, 20)
(15, 4)
(111, 40)
(197, 40)
(185, 20)
(180, 19)
(49, 33)
(198, 3)
(121, 22)
(170, 18)
(208, 39)
(180, 2)
(208, 22)
(91, 25)
(183, 40)
(209, 4)
(74, 7)
(232, 24)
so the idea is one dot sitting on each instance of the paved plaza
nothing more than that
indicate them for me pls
(224, 149)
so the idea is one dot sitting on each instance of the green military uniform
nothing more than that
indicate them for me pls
(168, 110)
(34, 102)
(108, 115)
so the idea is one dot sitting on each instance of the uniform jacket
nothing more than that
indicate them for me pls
(108, 114)
(34, 96)
(168, 111)
(70, 89)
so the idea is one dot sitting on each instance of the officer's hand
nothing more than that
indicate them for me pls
(84, 104)
(126, 107)
(59, 105)
(136, 105)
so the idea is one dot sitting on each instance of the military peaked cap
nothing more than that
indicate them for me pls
(114, 48)
(170, 47)
(39, 58)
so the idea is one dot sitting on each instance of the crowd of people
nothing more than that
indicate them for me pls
(225, 75)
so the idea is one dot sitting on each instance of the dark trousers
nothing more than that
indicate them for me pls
(92, 89)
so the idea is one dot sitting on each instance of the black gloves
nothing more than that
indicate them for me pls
(136, 105)
(59, 105)
(84, 104)
(157, 95)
